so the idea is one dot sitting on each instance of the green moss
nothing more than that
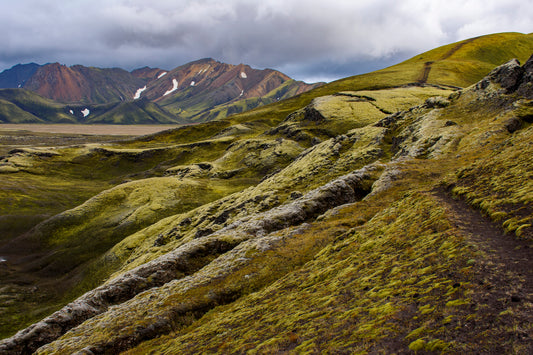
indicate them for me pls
(417, 345)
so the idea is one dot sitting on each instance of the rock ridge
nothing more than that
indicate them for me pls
(176, 264)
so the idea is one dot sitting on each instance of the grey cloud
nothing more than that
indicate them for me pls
(305, 39)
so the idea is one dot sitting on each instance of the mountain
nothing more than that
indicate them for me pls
(83, 85)
(194, 89)
(134, 112)
(18, 75)
(208, 89)
(389, 212)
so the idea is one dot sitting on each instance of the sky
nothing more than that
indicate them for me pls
(309, 40)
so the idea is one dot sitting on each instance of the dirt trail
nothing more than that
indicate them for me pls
(423, 78)
(502, 282)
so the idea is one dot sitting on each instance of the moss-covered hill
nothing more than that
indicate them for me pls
(384, 213)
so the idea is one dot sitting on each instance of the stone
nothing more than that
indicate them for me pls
(508, 75)
(436, 102)
(513, 124)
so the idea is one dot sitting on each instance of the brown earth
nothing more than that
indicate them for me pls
(502, 283)
(423, 78)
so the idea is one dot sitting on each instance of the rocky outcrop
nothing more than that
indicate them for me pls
(184, 260)
(511, 77)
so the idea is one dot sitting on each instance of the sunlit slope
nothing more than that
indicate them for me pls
(458, 64)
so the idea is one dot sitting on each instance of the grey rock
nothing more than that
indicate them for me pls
(313, 115)
(436, 102)
(508, 75)
(513, 124)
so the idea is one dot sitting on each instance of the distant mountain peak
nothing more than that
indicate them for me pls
(16, 76)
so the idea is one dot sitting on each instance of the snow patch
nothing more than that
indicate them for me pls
(162, 75)
(243, 75)
(85, 112)
(138, 93)
(193, 83)
(204, 70)
(174, 87)
(71, 112)
(242, 93)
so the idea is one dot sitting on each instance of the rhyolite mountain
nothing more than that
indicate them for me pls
(390, 212)
(198, 91)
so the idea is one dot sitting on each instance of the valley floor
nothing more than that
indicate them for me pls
(96, 129)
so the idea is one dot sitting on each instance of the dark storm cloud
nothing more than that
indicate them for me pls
(310, 40)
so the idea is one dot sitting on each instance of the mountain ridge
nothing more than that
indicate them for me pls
(184, 93)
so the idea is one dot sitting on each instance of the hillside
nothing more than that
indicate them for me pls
(195, 92)
(389, 212)
(24, 106)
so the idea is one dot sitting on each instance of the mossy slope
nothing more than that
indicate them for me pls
(391, 272)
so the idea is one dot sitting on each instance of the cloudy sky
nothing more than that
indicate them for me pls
(307, 39)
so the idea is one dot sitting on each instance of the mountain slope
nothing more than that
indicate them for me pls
(327, 226)
(135, 112)
(33, 108)
(17, 76)
(79, 84)
(24, 106)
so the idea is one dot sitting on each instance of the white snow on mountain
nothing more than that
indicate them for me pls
(242, 93)
(162, 75)
(174, 87)
(243, 75)
(85, 112)
(193, 83)
(204, 70)
(138, 93)
(71, 112)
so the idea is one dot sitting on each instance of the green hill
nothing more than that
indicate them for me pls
(24, 106)
(135, 112)
(383, 213)
(31, 108)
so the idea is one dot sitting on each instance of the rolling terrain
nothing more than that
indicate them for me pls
(389, 212)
